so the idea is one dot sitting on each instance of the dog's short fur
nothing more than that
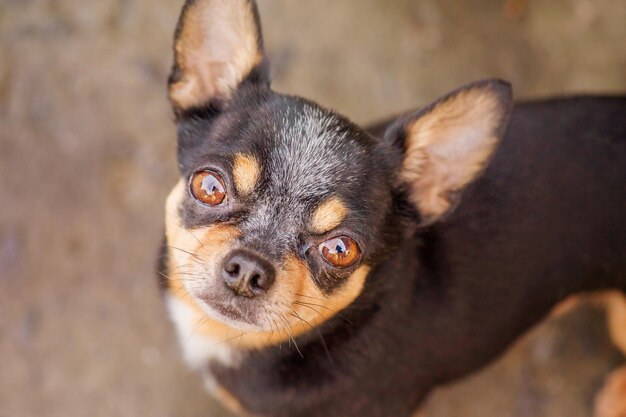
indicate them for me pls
(432, 285)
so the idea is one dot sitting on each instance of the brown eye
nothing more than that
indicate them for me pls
(340, 252)
(208, 188)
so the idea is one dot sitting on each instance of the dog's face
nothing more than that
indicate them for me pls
(278, 212)
(283, 207)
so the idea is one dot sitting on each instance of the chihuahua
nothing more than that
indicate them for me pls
(316, 268)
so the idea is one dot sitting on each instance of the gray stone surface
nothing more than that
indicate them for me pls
(87, 157)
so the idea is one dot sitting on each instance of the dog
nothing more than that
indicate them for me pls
(316, 268)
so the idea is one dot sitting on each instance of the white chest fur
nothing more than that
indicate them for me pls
(198, 350)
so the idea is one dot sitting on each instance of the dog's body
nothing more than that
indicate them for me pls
(407, 298)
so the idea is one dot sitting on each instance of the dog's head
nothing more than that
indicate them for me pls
(283, 206)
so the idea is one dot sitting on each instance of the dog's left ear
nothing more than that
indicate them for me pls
(448, 144)
(217, 46)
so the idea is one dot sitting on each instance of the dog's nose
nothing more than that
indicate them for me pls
(247, 273)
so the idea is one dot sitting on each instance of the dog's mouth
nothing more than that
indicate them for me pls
(228, 311)
(235, 313)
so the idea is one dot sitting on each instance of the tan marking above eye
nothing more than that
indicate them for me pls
(340, 252)
(328, 215)
(246, 172)
(208, 188)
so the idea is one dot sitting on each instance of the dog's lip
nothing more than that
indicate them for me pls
(227, 313)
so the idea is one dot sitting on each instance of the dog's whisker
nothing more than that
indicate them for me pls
(195, 328)
(185, 251)
(230, 338)
(317, 329)
(194, 258)
(278, 329)
(311, 308)
(317, 305)
(269, 336)
(289, 330)
(308, 296)
(335, 312)
(194, 236)
(173, 278)
(183, 266)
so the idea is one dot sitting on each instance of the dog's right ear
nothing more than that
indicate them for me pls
(217, 47)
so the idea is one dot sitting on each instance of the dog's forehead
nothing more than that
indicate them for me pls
(312, 153)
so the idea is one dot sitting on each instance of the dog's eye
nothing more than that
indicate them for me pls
(208, 188)
(340, 252)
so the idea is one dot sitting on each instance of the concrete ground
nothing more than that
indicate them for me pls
(87, 156)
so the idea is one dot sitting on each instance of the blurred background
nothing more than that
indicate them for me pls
(87, 148)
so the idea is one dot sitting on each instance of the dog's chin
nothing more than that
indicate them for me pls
(230, 315)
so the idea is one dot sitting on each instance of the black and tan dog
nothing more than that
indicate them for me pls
(315, 268)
